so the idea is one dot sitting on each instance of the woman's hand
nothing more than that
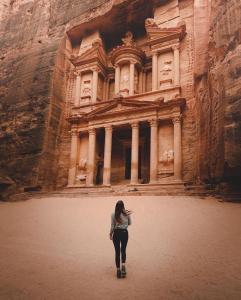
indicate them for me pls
(111, 236)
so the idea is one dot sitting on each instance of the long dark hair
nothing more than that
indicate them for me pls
(120, 208)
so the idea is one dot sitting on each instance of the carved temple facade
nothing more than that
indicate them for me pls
(127, 106)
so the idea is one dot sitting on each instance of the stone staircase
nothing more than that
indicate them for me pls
(160, 189)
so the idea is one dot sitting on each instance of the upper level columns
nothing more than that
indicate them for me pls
(91, 157)
(107, 155)
(176, 65)
(154, 151)
(134, 152)
(94, 85)
(154, 71)
(73, 157)
(132, 78)
(77, 89)
(177, 148)
(117, 79)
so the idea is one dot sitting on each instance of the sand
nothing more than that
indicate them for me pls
(179, 248)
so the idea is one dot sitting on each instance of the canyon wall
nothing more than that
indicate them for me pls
(218, 92)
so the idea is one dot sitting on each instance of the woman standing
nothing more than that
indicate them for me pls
(120, 220)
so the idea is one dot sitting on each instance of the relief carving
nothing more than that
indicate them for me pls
(86, 90)
(167, 157)
(83, 170)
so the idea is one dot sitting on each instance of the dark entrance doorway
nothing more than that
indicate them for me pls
(128, 163)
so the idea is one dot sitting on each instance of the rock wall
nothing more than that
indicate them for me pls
(31, 108)
(218, 93)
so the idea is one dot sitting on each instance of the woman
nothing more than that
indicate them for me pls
(120, 220)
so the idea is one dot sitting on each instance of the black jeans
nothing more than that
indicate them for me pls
(120, 239)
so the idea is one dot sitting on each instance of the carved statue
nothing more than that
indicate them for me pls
(86, 91)
(128, 39)
(167, 157)
(166, 69)
(83, 170)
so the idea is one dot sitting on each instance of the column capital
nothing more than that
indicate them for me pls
(92, 131)
(175, 47)
(95, 69)
(74, 132)
(177, 119)
(154, 52)
(132, 62)
(108, 127)
(135, 124)
(77, 72)
(153, 122)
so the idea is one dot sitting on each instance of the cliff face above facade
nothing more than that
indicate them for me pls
(33, 85)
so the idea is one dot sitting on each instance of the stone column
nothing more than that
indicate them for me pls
(176, 65)
(154, 71)
(177, 148)
(107, 89)
(77, 89)
(94, 85)
(154, 151)
(91, 157)
(73, 157)
(134, 152)
(132, 78)
(117, 79)
(107, 155)
(144, 82)
(140, 90)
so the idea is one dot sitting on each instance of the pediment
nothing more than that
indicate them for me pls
(120, 106)
(154, 32)
(96, 52)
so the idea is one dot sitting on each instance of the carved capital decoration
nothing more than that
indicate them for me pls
(153, 122)
(175, 47)
(77, 72)
(177, 120)
(108, 127)
(135, 125)
(74, 132)
(92, 131)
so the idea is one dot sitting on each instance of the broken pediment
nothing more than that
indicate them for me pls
(158, 34)
(95, 53)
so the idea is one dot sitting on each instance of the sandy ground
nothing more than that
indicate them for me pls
(179, 248)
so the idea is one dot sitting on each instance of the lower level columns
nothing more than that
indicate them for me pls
(177, 148)
(134, 152)
(91, 157)
(73, 157)
(153, 150)
(107, 155)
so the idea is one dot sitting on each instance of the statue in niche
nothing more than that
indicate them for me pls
(128, 39)
(125, 79)
(83, 170)
(166, 69)
(167, 157)
(86, 90)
